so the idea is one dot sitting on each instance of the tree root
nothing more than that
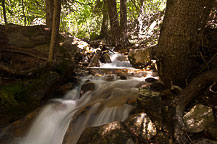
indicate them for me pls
(196, 86)
(22, 73)
(22, 53)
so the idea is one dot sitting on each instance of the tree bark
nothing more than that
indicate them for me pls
(123, 22)
(49, 12)
(4, 12)
(104, 27)
(114, 21)
(55, 29)
(140, 18)
(177, 39)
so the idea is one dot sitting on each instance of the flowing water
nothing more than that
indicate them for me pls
(63, 120)
(107, 103)
(118, 61)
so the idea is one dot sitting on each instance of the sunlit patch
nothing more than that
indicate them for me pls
(109, 127)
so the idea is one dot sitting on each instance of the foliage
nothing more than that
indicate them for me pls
(81, 18)
(14, 10)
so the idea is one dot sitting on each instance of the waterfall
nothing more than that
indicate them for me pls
(118, 61)
(63, 120)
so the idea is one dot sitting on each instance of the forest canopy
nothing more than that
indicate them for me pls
(80, 18)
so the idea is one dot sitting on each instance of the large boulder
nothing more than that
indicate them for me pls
(198, 118)
(112, 133)
(140, 58)
(142, 126)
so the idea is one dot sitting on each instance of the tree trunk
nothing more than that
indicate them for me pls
(104, 27)
(24, 16)
(114, 21)
(176, 45)
(140, 18)
(55, 29)
(49, 12)
(123, 22)
(4, 12)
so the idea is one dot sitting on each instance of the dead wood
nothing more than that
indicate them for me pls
(196, 86)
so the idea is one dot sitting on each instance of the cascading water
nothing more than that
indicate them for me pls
(107, 103)
(62, 121)
(118, 61)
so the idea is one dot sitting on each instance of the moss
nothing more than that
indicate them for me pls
(16, 97)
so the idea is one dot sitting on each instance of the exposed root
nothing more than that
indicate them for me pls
(22, 73)
(21, 53)
(196, 86)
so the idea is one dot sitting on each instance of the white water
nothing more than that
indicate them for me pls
(107, 103)
(62, 121)
(116, 62)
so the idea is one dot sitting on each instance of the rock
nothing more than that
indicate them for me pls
(140, 58)
(105, 58)
(94, 62)
(157, 87)
(89, 86)
(27, 36)
(112, 133)
(205, 141)
(18, 128)
(198, 118)
(212, 130)
(151, 80)
(141, 125)
(150, 103)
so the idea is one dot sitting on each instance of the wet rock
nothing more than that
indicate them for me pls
(105, 58)
(142, 126)
(150, 103)
(198, 118)
(18, 128)
(123, 77)
(89, 86)
(151, 80)
(140, 58)
(112, 133)
(94, 62)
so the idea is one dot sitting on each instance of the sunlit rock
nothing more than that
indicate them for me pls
(141, 125)
(112, 133)
(198, 118)
(150, 102)
(140, 58)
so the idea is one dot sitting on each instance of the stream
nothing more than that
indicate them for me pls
(62, 121)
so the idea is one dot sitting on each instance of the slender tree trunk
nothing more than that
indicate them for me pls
(123, 22)
(140, 18)
(49, 12)
(104, 27)
(55, 29)
(176, 45)
(4, 12)
(114, 21)
(24, 16)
